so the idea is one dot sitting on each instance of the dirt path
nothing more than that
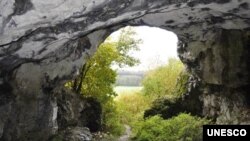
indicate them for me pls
(126, 135)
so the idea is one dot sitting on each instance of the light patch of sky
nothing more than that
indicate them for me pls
(158, 45)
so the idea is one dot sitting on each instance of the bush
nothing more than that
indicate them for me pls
(165, 107)
(173, 103)
(162, 81)
(111, 119)
(183, 127)
(131, 107)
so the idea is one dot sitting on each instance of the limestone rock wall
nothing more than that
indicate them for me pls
(44, 43)
(222, 64)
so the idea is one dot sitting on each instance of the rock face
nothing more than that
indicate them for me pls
(73, 134)
(44, 43)
(75, 111)
(223, 67)
(60, 112)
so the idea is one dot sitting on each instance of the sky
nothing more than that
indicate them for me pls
(158, 45)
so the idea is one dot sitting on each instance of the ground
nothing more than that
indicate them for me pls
(127, 134)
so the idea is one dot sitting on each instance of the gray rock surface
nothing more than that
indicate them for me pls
(73, 134)
(74, 110)
(43, 43)
(77, 134)
(222, 64)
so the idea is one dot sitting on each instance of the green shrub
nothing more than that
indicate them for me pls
(131, 107)
(183, 127)
(162, 80)
(173, 103)
(165, 107)
(111, 119)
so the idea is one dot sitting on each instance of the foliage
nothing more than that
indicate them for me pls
(181, 86)
(111, 119)
(100, 77)
(131, 107)
(182, 127)
(164, 107)
(96, 78)
(127, 41)
(161, 81)
(173, 104)
(169, 80)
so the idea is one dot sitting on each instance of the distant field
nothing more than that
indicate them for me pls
(126, 89)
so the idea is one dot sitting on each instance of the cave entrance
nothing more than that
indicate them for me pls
(43, 44)
(131, 50)
(131, 69)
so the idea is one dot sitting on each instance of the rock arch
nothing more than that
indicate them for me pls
(43, 43)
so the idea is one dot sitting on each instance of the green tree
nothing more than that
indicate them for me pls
(162, 80)
(97, 77)
(127, 41)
